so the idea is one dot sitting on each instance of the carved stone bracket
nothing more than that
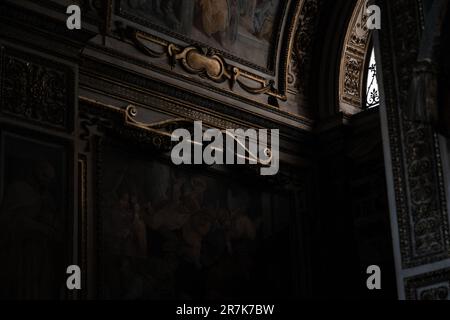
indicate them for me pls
(162, 128)
(165, 129)
(97, 116)
(203, 62)
(124, 122)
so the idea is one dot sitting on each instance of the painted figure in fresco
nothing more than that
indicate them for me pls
(220, 18)
(127, 227)
(233, 266)
(193, 233)
(168, 240)
(184, 213)
(243, 6)
(247, 14)
(31, 237)
(263, 20)
(233, 30)
(215, 16)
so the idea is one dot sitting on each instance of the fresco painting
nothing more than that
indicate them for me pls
(170, 233)
(243, 28)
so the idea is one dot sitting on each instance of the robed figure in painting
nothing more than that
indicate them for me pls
(220, 18)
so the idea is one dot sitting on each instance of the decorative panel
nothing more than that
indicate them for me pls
(422, 212)
(420, 219)
(243, 30)
(430, 286)
(36, 89)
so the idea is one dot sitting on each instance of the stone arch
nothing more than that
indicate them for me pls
(354, 59)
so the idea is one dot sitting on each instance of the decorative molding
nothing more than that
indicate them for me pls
(286, 14)
(177, 101)
(288, 46)
(92, 64)
(165, 128)
(421, 205)
(430, 286)
(204, 62)
(115, 121)
(436, 293)
(167, 105)
(160, 132)
(292, 78)
(82, 217)
(275, 84)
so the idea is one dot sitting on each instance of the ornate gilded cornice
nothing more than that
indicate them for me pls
(213, 64)
(124, 121)
(204, 62)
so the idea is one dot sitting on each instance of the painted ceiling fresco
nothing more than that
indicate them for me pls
(246, 29)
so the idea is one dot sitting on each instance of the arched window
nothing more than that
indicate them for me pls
(358, 86)
(372, 93)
